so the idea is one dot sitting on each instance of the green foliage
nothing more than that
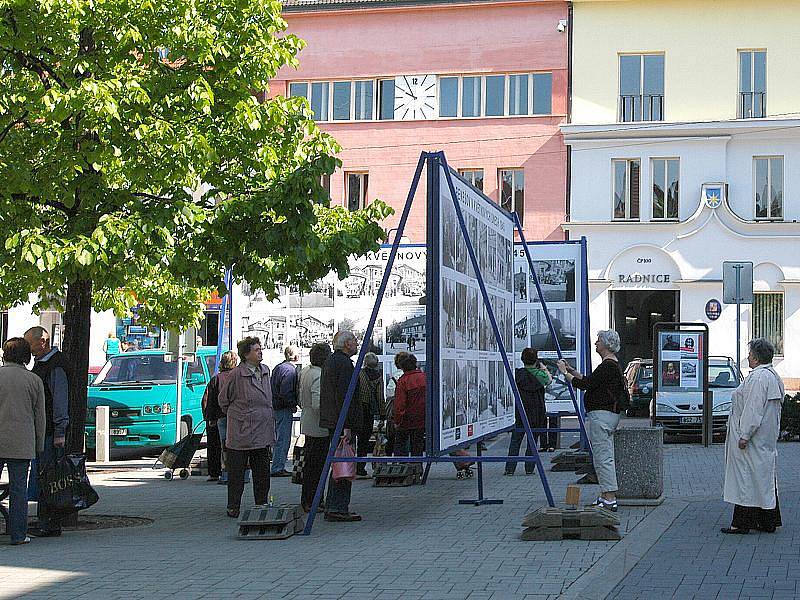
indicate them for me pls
(150, 175)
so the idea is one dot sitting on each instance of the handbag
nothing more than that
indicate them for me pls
(344, 471)
(298, 464)
(64, 486)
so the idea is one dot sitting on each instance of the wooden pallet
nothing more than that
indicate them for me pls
(396, 475)
(199, 467)
(552, 524)
(271, 522)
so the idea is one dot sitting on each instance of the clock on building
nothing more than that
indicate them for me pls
(415, 97)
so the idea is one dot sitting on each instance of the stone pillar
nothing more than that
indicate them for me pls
(639, 458)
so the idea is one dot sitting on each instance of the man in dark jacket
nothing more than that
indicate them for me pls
(284, 404)
(336, 375)
(51, 366)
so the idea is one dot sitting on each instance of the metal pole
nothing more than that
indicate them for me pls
(738, 319)
(178, 395)
(102, 434)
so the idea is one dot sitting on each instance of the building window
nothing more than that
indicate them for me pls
(768, 318)
(386, 99)
(626, 189)
(470, 96)
(752, 84)
(542, 93)
(448, 96)
(768, 184)
(518, 94)
(320, 93)
(495, 96)
(666, 176)
(356, 192)
(364, 100)
(298, 90)
(641, 87)
(473, 176)
(342, 94)
(512, 191)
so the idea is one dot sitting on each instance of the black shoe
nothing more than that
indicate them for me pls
(735, 530)
(233, 513)
(43, 533)
(283, 473)
(342, 517)
(765, 529)
(530, 472)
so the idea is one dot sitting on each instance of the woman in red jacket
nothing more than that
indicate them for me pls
(409, 407)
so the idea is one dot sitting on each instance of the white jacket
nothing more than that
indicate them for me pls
(750, 474)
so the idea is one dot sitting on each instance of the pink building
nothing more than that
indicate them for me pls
(484, 81)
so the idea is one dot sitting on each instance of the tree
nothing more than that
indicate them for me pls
(137, 164)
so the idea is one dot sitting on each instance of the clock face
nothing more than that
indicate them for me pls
(415, 97)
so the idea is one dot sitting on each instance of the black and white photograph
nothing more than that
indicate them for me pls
(484, 328)
(461, 392)
(483, 389)
(521, 285)
(557, 280)
(509, 331)
(405, 331)
(472, 227)
(521, 331)
(448, 242)
(461, 316)
(462, 256)
(509, 260)
(448, 293)
(492, 389)
(473, 317)
(448, 394)
(565, 324)
(557, 397)
(483, 248)
(472, 391)
(490, 276)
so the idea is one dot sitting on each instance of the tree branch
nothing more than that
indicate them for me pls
(11, 126)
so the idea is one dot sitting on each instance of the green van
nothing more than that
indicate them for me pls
(140, 389)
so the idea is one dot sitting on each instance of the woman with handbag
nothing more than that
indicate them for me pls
(317, 439)
(604, 389)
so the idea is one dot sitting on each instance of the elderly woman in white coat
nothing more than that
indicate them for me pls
(751, 448)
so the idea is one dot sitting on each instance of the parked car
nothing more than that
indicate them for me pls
(680, 414)
(140, 389)
(639, 375)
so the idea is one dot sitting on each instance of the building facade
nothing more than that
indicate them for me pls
(485, 81)
(683, 146)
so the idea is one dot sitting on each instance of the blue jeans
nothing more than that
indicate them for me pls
(18, 496)
(283, 437)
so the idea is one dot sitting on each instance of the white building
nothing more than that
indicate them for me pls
(646, 266)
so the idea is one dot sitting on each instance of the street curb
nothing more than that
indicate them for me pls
(600, 580)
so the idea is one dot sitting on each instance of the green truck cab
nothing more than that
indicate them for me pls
(140, 389)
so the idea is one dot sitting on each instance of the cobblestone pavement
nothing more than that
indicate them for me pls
(414, 542)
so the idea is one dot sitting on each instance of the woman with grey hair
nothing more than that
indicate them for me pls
(604, 389)
(751, 447)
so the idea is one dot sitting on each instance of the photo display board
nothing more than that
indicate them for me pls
(475, 397)
(560, 270)
(681, 362)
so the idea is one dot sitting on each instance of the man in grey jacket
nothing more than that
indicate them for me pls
(22, 429)
(51, 366)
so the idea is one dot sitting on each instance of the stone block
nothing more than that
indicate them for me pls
(639, 458)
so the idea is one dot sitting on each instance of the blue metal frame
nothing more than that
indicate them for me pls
(434, 158)
(535, 278)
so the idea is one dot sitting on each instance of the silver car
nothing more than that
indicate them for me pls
(682, 414)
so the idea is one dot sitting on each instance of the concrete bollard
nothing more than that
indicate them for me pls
(639, 457)
(102, 436)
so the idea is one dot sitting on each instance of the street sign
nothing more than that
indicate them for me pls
(734, 292)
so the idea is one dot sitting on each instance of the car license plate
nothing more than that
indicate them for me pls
(119, 432)
(690, 420)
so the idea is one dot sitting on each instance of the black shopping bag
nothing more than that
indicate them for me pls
(64, 486)
(299, 462)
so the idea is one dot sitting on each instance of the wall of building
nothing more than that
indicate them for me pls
(467, 39)
(701, 41)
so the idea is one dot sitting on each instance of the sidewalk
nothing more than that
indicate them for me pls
(414, 542)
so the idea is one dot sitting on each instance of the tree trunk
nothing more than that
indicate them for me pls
(77, 325)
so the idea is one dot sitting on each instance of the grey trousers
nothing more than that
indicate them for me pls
(600, 426)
